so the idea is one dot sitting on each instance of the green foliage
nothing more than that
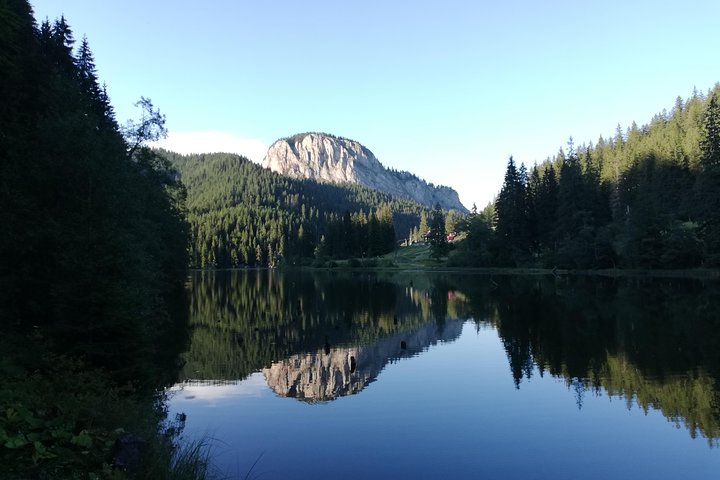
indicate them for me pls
(243, 215)
(94, 239)
(475, 250)
(58, 417)
(437, 237)
(423, 228)
(358, 235)
(452, 220)
(710, 134)
(190, 461)
(93, 256)
(512, 228)
(647, 198)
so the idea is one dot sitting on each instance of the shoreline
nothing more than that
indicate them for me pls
(695, 273)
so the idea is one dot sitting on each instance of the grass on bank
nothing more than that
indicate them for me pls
(60, 419)
(411, 257)
(417, 257)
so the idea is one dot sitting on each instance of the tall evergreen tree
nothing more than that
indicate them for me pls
(710, 140)
(423, 228)
(707, 205)
(533, 192)
(93, 242)
(438, 236)
(546, 207)
(61, 46)
(95, 95)
(571, 212)
(649, 197)
(511, 222)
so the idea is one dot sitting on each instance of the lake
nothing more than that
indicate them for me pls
(414, 375)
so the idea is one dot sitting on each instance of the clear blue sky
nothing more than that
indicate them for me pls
(444, 89)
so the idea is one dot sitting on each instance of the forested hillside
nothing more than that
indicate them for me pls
(93, 249)
(88, 213)
(647, 198)
(244, 215)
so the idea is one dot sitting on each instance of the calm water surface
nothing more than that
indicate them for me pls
(339, 375)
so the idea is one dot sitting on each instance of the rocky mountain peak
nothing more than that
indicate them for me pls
(327, 158)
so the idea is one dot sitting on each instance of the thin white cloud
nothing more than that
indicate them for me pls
(213, 141)
(253, 386)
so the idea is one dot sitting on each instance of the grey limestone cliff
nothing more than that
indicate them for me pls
(326, 158)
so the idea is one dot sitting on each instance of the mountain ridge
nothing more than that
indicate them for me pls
(329, 158)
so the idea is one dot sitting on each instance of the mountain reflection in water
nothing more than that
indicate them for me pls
(321, 375)
(316, 337)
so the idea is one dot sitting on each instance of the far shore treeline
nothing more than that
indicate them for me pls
(646, 198)
(244, 215)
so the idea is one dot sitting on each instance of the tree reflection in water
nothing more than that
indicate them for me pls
(317, 336)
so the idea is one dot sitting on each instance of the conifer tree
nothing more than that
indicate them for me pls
(571, 214)
(423, 228)
(95, 95)
(546, 205)
(710, 140)
(511, 225)
(438, 237)
(707, 205)
(533, 192)
(92, 244)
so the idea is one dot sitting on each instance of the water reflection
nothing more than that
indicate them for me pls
(330, 373)
(244, 321)
(653, 342)
(316, 337)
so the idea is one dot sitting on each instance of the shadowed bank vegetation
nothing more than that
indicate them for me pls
(93, 257)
